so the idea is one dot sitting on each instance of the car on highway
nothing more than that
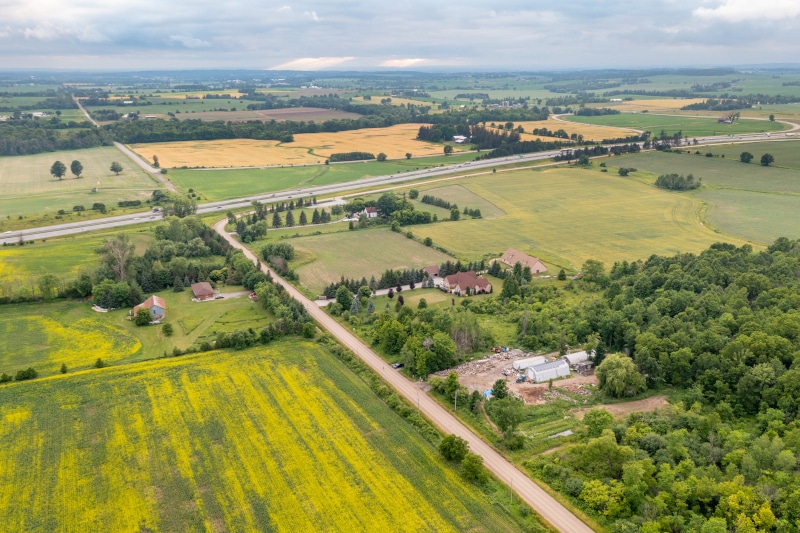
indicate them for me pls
(219, 207)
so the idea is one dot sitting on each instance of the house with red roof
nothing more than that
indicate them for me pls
(466, 283)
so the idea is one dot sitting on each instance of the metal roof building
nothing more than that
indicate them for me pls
(522, 364)
(578, 357)
(547, 371)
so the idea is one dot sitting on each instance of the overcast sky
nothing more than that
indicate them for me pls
(415, 34)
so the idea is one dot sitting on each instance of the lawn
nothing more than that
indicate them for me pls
(45, 335)
(323, 259)
(281, 438)
(26, 186)
(306, 149)
(567, 215)
(688, 126)
(215, 184)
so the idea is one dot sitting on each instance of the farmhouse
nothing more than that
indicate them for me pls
(512, 257)
(465, 283)
(547, 371)
(203, 291)
(371, 212)
(156, 306)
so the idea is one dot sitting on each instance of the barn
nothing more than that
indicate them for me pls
(548, 371)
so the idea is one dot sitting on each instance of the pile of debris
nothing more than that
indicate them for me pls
(555, 394)
(471, 368)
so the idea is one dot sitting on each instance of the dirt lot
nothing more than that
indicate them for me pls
(481, 375)
(624, 409)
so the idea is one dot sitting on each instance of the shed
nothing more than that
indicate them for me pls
(203, 290)
(578, 357)
(522, 364)
(547, 371)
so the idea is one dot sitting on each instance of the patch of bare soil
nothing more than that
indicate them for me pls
(534, 393)
(626, 408)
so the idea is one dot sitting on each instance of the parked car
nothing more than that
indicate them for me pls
(398, 365)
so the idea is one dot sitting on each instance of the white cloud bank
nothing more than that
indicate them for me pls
(748, 10)
(312, 63)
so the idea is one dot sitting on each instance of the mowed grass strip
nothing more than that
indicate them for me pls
(26, 185)
(356, 254)
(307, 148)
(688, 126)
(280, 438)
(568, 215)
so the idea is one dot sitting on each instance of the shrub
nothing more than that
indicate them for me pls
(167, 330)
(99, 363)
(453, 448)
(473, 469)
(23, 375)
(63, 368)
(142, 317)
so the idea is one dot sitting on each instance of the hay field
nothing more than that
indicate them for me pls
(368, 253)
(590, 132)
(280, 438)
(307, 148)
(689, 126)
(568, 215)
(395, 101)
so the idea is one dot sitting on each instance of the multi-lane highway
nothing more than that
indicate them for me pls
(72, 228)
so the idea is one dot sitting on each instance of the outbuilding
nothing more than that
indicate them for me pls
(203, 291)
(548, 371)
(578, 357)
(523, 364)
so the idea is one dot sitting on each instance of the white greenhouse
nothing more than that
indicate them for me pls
(548, 371)
(522, 364)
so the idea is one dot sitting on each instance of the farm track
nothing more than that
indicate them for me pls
(550, 509)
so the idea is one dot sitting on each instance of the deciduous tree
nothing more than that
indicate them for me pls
(58, 170)
(77, 168)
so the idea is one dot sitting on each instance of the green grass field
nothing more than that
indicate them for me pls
(568, 215)
(715, 172)
(463, 197)
(745, 200)
(45, 335)
(689, 126)
(220, 184)
(322, 259)
(281, 438)
(755, 216)
(27, 188)
(65, 257)
(786, 153)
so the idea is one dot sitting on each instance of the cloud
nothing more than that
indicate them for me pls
(188, 41)
(749, 10)
(312, 63)
(284, 9)
(312, 15)
(402, 63)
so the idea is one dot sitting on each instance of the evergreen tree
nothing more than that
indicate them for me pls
(315, 217)
(289, 218)
(303, 218)
(276, 220)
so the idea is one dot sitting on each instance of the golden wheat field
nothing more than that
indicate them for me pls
(655, 105)
(590, 132)
(395, 101)
(307, 148)
(278, 438)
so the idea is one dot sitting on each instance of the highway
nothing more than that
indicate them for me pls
(553, 512)
(58, 230)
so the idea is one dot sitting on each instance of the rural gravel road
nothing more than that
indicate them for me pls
(552, 511)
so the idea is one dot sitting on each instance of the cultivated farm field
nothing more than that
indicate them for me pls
(590, 132)
(786, 153)
(26, 186)
(307, 148)
(281, 438)
(689, 126)
(567, 215)
(654, 105)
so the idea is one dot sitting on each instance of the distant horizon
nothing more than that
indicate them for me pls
(365, 36)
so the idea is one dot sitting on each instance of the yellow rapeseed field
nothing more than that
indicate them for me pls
(246, 441)
(307, 148)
